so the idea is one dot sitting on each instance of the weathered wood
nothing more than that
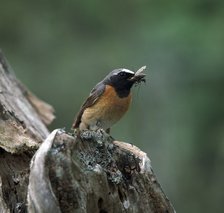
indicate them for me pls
(14, 177)
(96, 175)
(21, 132)
(21, 128)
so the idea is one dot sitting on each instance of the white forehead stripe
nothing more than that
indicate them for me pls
(128, 71)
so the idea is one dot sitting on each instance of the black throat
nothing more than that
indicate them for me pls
(121, 86)
(122, 93)
(122, 90)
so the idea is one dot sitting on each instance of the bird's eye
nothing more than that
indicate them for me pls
(122, 74)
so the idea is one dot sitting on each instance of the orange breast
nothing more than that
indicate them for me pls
(107, 110)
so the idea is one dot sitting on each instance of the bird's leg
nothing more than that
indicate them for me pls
(108, 132)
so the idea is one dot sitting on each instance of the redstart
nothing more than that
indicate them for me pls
(108, 101)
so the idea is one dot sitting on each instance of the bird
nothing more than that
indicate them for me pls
(108, 101)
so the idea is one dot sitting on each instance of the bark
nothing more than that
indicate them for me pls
(90, 172)
(97, 174)
(22, 129)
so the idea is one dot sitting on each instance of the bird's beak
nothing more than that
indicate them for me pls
(139, 75)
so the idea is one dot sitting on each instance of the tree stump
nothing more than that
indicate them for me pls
(68, 173)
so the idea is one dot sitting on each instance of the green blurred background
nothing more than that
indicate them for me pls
(61, 49)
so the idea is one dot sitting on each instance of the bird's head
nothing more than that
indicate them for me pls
(123, 79)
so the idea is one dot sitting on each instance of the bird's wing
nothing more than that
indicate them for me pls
(96, 92)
